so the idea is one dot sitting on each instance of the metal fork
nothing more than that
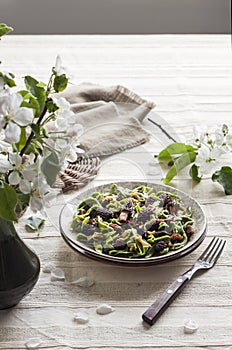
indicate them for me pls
(206, 261)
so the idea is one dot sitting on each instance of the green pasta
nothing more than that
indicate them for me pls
(133, 223)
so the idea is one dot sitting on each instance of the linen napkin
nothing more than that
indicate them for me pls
(111, 116)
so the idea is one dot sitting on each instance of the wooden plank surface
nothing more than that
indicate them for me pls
(190, 79)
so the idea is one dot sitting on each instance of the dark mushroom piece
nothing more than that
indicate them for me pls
(127, 211)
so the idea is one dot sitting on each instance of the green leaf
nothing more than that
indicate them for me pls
(224, 178)
(23, 93)
(60, 83)
(34, 223)
(44, 133)
(23, 200)
(52, 107)
(8, 200)
(29, 101)
(36, 129)
(41, 84)
(165, 156)
(35, 147)
(36, 91)
(50, 165)
(179, 164)
(193, 172)
(22, 140)
(4, 29)
(8, 79)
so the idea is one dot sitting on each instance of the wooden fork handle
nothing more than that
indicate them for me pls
(161, 304)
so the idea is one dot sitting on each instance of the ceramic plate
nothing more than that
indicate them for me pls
(68, 211)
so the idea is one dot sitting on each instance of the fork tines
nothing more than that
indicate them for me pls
(213, 251)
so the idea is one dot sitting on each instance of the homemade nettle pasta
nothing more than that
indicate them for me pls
(133, 223)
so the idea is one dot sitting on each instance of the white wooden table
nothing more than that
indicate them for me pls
(190, 79)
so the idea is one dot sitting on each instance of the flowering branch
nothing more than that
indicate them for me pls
(203, 154)
(32, 134)
(39, 135)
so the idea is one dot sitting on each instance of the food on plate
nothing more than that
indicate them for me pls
(133, 223)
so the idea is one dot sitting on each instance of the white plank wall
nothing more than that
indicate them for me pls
(190, 79)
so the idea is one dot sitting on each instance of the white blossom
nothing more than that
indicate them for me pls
(62, 103)
(229, 140)
(12, 116)
(64, 115)
(69, 153)
(58, 66)
(5, 165)
(207, 160)
(64, 133)
(25, 186)
(41, 194)
(75, 132)
(219, 137)
(16, 164)
(198, 135)
(4, 146)
(1, 86)
(60, 69)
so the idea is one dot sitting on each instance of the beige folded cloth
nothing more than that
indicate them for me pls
(111, 117)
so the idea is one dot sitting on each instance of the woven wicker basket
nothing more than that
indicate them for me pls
(78, 174)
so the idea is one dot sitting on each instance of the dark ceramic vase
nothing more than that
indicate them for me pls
(19, 266)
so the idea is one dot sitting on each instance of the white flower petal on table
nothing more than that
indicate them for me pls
(33, 343)
(81, 317)
(84, 282)
(12, 133)
(57, 274)
(48, 267)
(23, 116)
(190, 327)
(14, 178)
(104, 309)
